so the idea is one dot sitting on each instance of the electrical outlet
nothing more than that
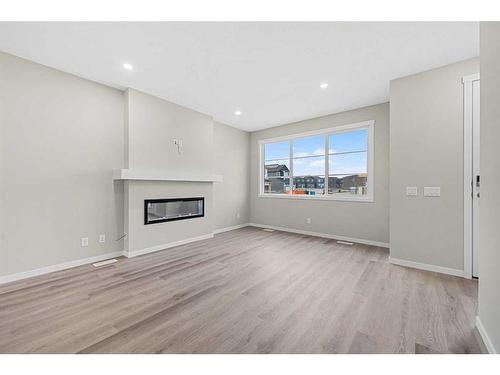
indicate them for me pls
(102, 238)
(238, 215)
(308, 220)
(84, 241)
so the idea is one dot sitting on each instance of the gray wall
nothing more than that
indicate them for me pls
(152, 124)
(426, 149)
(141, 237)
(360, 220)
(489, 237)
(60, 138)
(232, 160)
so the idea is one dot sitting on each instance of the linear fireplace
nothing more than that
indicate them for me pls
(162, 210)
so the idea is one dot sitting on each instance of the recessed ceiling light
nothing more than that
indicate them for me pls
(128, 66)
(237, 113)
(323, 85)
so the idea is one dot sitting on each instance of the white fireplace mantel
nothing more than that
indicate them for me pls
(164, 175)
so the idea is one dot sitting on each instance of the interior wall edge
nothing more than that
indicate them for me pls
(57, 267)
(428, 267)
(165, 246)
(234, 227)
(323, 235)
(484, 336)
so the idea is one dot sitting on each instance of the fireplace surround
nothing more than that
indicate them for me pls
(171, 209)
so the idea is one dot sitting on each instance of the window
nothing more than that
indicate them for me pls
(308, 160)
(335, 163)
(348, 163)
(277, 168)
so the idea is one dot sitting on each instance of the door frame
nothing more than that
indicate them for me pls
(467, 82)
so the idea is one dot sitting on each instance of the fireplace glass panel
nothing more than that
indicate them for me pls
(161, 210)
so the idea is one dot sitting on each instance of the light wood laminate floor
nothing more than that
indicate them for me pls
(245, 291)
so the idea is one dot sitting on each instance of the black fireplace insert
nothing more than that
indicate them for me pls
(162, 210)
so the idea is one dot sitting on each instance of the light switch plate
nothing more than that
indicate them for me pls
(432, 191)
(84, 241)
(411, 191)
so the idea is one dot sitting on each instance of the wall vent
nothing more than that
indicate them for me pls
(104, 262)
(345, 243)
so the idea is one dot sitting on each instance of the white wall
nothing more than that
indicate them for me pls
(232, 160)
(426, 149)
(489, 236)
(360, 220)
(60, 138)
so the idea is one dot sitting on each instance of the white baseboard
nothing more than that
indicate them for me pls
(484, 336)
(427, 267)
(99, 258)
(131, 254)
(227, 229)
(324, 235)
(58, 267)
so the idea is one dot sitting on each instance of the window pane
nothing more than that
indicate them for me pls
(348, 141)
(278, 150)
(276, 176)
(348, 174)
(345, 164)
(309, 185)
(309, 166)
(309, 175)
(277, 168)
(309, 146)
(276, 185)
(347, 185)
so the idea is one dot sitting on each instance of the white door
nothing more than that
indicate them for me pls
(472, 179)
(476, 175)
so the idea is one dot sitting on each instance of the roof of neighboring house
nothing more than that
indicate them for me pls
(276, 167)
(357, 175)
(309, 176)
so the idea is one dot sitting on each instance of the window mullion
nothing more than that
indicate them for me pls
(262, 173)
(327, 161)
(290, 161)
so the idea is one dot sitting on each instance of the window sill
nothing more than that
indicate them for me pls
(367, 199)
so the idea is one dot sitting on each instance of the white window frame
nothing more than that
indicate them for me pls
(368, 125)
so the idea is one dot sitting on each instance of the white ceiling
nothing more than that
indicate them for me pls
(271, 72)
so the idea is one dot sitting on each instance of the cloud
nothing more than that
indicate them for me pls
(309, 166)
(317, 152)
(341, 166)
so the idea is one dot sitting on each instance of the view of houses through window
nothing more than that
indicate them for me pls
(298, 166)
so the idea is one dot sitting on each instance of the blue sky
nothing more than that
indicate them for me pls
(340, 162)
